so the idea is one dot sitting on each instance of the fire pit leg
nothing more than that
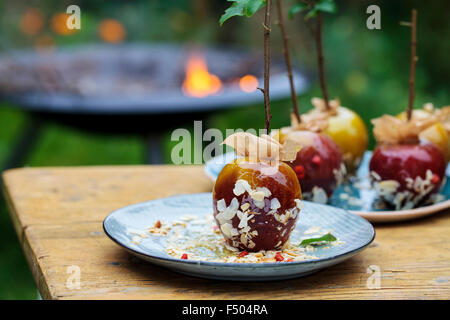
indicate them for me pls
(154, 149)
(23, 144)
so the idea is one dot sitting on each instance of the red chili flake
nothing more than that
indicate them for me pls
(158, 224)
(289, 260)
(300, 171)
(435, 179)
(184, 256)
(243, 254)
(316, 160)
(279, 257)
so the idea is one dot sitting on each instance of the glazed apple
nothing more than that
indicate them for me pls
(407, 175)
(344, 126)
(436, 132)
(318, 165)
(439, 137)
(255, 208)
(348, 130)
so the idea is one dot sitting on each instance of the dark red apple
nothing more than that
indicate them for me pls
(318, 165)
(256, 207)
(406, 175)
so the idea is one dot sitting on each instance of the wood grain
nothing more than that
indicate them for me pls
(58, 214)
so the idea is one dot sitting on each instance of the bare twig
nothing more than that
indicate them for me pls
(287, 58)
(320, 59)
(267, 64)
(412, 72)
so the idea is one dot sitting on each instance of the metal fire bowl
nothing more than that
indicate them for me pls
(132, 79)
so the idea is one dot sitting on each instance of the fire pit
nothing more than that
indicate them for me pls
(144, 89)
(138, 79)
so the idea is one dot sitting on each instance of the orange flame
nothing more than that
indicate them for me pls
(248, 83)
(32, 22)
(58, 24)
(199, 82)
(112, 31)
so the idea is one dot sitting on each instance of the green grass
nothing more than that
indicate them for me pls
(11, 122)
(63, 146)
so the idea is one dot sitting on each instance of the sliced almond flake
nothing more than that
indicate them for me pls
(241, 186)
(375, 175)
(299, 203)
(226, 229)
(266, 191)
(344, 196)
(221, 205)
(257, 195)
(259, 204)
(244, 218)
(275, 204)
(245, 206)
(244, 239)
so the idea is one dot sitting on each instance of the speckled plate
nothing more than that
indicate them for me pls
(356, 196)
(354, 232)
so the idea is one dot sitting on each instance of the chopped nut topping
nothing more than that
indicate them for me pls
(241, 186)
(274, 204)
(245, 206)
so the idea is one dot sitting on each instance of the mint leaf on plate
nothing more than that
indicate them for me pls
(325, 238)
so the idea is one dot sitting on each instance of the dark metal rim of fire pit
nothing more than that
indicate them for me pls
(152, 104)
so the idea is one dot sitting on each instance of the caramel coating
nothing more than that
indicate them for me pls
(283, 184)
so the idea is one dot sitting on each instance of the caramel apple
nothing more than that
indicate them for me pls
(254, 210)
(344, 126)
(256, 199)
(318, 165)
(408, 166)
(407, 175)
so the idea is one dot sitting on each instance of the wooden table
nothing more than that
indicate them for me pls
(58, 214)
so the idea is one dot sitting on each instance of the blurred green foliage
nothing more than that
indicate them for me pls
(367, 69)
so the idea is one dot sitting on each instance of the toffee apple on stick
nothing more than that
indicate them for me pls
(407, 169)
(257, 198)
(318, 163)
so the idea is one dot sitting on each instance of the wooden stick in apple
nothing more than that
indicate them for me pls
(287, 58)
(412, 72)
(320, 59)
(266, 90)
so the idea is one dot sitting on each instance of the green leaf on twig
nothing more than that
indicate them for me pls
(328, 6)
(296, 8)
(242, 8)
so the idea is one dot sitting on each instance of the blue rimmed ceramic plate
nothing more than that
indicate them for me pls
(353, 232)
(356, 195)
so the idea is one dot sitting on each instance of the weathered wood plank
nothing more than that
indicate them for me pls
(60, 211)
